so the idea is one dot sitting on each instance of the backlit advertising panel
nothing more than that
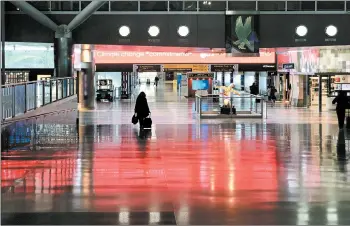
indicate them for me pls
(175, 55)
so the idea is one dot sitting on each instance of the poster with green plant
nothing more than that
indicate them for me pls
(241, 34)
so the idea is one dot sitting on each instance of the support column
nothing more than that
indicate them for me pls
(320, 93)
(2, 47)
(86, 79)
(63, 46)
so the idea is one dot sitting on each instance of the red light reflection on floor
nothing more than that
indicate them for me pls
(52, 174)
(172, 171)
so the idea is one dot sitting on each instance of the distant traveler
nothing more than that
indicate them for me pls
(141, 109)
(254, 89)
(156, 80)
(342, 102)
(272, 97)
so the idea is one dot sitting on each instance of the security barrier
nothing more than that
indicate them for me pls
(237, 106)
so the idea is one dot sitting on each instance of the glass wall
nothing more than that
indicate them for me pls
(130, 6)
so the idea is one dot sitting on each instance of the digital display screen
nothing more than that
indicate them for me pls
(200, 84)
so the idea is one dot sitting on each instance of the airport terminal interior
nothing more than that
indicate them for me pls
(175, 112)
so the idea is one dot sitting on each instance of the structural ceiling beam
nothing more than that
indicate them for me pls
(84, 14)
(35, 14)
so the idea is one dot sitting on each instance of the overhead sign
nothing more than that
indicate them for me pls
(148, 68)
(224, 67)
(174, 55)
(288, 66)
(200, 75)
(185, 67)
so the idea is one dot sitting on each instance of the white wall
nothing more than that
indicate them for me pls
(263, 82)
(115, 76)
(237, 81)
(249, 78)
(227, 77)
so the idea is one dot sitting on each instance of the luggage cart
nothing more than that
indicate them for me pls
(105, 90)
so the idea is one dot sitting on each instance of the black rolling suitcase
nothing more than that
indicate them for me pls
(147, 122)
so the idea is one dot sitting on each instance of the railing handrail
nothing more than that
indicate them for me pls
(31, 82)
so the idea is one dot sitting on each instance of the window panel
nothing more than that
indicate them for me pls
(65, 5)
(191, 6)
(301, 6)
(40, 5)
(242, 5)
(124, 6)
(330, 5)
(84, 4)
(271, 6)
(153, 6)
(212, 6)
(183, 5)
(104, 7)
(348, 5)
(176, 5)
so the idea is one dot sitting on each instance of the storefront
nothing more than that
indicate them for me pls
(315, 74)
(172, 62)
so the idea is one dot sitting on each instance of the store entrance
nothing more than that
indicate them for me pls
(284, 87)
(322, 91)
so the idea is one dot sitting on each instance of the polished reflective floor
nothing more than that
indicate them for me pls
(291, 168)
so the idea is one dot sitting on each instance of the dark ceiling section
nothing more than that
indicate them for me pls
(205, 30)
(279, 30)
(22, 28)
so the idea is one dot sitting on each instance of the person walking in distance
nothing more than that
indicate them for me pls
(141, 109)
(342, 102)
(273, 95)
(156, 80)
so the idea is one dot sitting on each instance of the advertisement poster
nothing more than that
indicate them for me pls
(116, 54)
(241, 35)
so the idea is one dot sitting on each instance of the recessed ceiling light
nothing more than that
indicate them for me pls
(183, 31)
(124, 31)
(153, 31)
(301, 30)
(331, 30)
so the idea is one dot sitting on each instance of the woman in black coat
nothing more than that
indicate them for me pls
(141, 108)
(342, 102)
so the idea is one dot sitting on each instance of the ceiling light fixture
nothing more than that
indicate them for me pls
(331, 30)
(153, 31)
(183, 31)
(301, 30)
(124, 31)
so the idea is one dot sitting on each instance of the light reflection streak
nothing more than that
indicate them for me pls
(154, 217)
(124, 216)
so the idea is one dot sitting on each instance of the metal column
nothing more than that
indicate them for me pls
(63, 54)
(320, 93)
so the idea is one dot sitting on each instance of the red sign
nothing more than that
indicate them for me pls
(174, 55)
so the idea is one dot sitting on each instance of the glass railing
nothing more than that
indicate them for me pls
(20, 98)
(235, 106)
